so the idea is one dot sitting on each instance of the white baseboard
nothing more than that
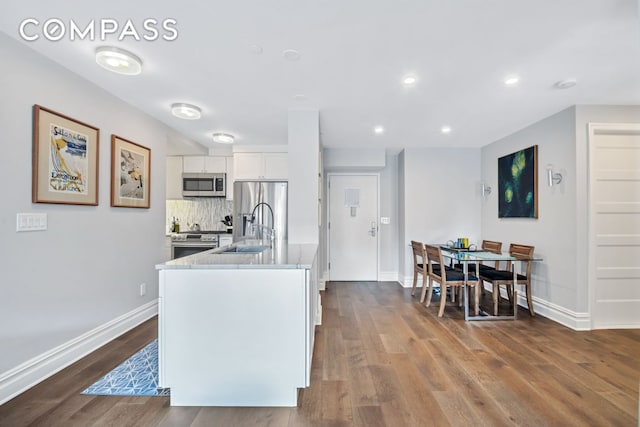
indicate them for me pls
(407, 281)
(571, 319)
(31, 372)
(322, 281)
(388, 276)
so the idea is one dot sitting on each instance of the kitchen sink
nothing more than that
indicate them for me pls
(246, 249)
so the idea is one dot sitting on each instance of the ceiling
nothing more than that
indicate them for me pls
(228, 59)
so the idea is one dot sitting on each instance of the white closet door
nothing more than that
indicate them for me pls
(615, 225)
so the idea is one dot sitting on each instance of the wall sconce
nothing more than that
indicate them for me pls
(553, 177)
(486, 190)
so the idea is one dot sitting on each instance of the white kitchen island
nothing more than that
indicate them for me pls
(237, 329)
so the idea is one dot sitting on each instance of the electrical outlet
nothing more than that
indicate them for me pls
(143, 289)
(385, 220)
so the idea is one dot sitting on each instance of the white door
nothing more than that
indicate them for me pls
(614, 152)
(353, 227)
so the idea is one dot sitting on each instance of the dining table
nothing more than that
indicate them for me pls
(466, 256)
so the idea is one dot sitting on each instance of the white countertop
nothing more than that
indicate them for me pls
(284, 256)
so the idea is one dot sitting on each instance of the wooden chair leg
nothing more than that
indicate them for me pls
(529, 301)
(496, 297)
(476, 295)
(415, 281)
(430, 294)
(425, 281)
(443, 299)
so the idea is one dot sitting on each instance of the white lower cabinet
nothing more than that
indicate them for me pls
(235, 337)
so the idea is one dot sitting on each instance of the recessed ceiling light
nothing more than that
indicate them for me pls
(566, 83)
(291, 55)
(186, 111)
(445, 129)
(511, 80)
(118, 60)
(223, 138)
(378, 129)
(409, 80)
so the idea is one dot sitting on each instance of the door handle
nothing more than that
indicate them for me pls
(372, 231)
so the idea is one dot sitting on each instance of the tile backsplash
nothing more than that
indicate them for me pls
(208, 212)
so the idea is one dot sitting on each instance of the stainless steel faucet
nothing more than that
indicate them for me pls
(272, 229)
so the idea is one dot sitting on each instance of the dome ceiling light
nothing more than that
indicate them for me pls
(512, 80)
(223, 138)
(118, 60)
(186, 111)
(409, 80)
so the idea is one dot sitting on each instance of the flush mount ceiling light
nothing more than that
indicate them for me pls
(445, 129)
(566, 83)
(118, 60)
(409, 80)
(186, 111)
(511, 80)
(378, 129)
(291, 55)
(223, 138)
(256, 49)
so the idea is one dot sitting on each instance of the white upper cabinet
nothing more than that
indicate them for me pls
(204, 164)
(247, 166)
(174, 178)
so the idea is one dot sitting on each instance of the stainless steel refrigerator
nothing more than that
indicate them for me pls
(260, 210)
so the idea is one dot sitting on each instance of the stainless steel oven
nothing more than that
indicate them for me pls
(184, 244)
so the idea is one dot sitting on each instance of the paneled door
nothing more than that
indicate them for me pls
(353, 227)
(614, 152)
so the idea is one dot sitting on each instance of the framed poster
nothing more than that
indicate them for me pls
(130, 173)
(518, 184)
(65, 159)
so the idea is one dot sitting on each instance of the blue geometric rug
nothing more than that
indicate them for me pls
(136, 376)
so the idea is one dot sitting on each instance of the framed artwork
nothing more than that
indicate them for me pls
(130, 173)
(518, 184)
(65, 159)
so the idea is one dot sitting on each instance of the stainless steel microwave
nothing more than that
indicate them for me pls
(204, 185)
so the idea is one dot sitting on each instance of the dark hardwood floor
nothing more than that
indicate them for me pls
(383, 359)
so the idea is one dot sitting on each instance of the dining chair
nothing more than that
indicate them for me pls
(419, 265)
(447, 277)
(505, 277)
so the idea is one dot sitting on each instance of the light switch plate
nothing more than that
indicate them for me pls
(385, 220)
(31, 221)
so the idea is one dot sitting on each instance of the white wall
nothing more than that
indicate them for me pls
(441, 199)
(85, 270)
(303, 155)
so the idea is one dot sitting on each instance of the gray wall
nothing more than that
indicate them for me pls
(389, 207)
(560, 234)
(441, 199)
(345, 161)
(85, 270)
(553, 234)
